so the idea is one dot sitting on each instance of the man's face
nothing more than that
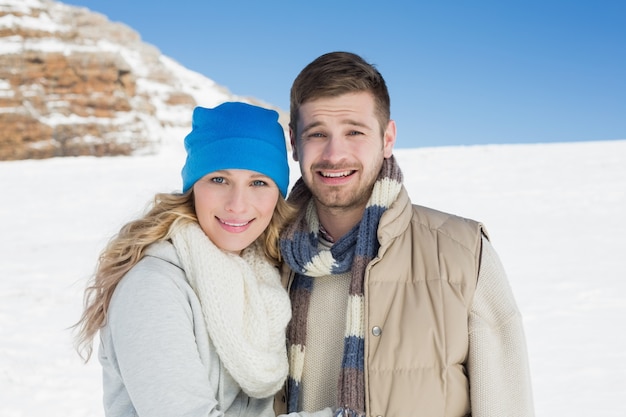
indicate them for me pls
(339, 146)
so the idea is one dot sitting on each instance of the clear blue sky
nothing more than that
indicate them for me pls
(459, 72)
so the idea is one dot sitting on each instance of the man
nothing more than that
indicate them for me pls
(398, 310)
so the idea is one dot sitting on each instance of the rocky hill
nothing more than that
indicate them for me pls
(74, 83)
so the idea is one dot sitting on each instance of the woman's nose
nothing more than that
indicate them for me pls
(236, 200)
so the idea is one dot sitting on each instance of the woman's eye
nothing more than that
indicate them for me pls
(218, 180)
(259, 183)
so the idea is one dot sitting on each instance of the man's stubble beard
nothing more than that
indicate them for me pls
(335, 198)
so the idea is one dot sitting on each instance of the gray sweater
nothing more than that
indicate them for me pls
(156, 355)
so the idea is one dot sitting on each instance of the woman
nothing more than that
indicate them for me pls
(187, 299)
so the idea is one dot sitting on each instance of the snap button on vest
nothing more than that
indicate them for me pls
(376, 331)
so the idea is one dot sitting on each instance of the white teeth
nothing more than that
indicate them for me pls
(336, 174)
(234, 224)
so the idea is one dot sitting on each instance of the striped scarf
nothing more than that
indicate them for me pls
(352, 252)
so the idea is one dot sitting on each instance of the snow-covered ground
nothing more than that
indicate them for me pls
(555, 214)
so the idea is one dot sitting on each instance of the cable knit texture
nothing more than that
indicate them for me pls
(245, 307)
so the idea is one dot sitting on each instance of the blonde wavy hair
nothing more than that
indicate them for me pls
(128, 246)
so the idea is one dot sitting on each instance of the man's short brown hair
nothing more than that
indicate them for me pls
(337, 73)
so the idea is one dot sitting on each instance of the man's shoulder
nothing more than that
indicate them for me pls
(448, 224)
(437, 217)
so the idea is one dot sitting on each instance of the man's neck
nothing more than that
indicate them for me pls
(338, 222)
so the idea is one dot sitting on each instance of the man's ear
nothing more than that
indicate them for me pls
(389, 139)
(294, 149)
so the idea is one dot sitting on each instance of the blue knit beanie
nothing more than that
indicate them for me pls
(236, 135)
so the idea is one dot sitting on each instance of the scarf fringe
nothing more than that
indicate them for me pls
(347, 412)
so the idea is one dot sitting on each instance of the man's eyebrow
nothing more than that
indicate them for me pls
(311, 125)
(353, 122)
(349, 122)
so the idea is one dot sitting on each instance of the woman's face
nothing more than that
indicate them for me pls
(234, 206)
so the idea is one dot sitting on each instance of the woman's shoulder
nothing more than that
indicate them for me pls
(157, 275)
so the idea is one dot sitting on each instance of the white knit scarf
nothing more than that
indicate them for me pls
(245, 308)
